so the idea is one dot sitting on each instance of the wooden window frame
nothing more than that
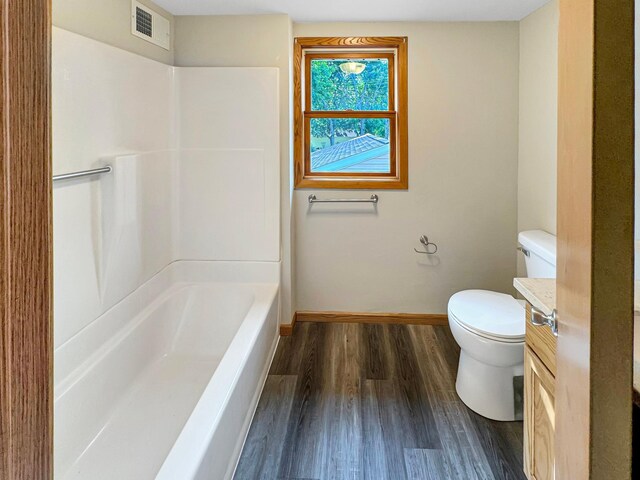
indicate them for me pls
(392, 48)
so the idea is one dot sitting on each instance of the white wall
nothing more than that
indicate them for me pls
(463, 156)
(195, 173)
(537, 164)
(251, 41)
(109, 21)
(463, 149)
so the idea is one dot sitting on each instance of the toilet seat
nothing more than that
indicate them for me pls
(492, 315)
(489, 327)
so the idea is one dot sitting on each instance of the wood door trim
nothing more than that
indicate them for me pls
(26, 352)
(595, 239)
(366, 317)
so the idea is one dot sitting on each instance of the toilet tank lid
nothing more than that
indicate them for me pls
(539, 242)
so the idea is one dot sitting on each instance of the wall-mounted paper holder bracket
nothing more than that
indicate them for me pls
(430, 248)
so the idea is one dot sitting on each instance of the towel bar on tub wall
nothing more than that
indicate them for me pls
(83, 173)
(374, 199)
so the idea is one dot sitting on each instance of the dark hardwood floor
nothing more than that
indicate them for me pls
(354, 401)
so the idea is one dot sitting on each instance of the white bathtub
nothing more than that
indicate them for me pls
(164, 385)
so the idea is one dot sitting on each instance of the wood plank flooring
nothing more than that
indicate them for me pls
(365, 401)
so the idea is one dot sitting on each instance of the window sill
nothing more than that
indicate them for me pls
(393, 183)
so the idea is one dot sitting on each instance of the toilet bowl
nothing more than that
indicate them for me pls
(489, 327)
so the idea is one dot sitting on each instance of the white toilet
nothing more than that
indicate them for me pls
(490, 329)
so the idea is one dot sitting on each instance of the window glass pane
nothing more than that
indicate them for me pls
(350, 145)
(350, 84)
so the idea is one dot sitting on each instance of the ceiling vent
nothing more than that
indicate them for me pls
(150, 25)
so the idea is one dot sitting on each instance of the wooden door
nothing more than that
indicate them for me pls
(595, 239)
(26, 399)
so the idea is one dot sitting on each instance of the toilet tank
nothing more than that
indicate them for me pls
(539, 249)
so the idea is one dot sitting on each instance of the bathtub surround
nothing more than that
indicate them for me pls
(107, 103)
(156, 126)
(229, 166)
(109, 21)
(139, 250)
(252, 41)
(538, 125)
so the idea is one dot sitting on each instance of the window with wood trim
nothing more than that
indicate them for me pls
(350, 107)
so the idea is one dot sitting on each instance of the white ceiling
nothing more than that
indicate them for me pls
(361, 10)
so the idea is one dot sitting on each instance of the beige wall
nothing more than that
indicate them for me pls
(537, 187)
(109, 21)
(465, 190)
(463, 156)
(249, 41)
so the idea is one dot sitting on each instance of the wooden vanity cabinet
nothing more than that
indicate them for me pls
(539, 402)
(539, 418)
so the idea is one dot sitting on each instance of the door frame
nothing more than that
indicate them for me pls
(26, 347)
(595, 239)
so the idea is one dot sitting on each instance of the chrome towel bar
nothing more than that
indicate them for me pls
(83, 173)
(374, 199)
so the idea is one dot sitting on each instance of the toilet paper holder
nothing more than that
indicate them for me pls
(430, 248)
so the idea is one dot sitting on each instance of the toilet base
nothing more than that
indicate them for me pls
(489, 390)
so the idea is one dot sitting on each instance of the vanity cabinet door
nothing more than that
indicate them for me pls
(539, 418)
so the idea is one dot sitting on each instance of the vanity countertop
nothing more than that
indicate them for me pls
(541, 293)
